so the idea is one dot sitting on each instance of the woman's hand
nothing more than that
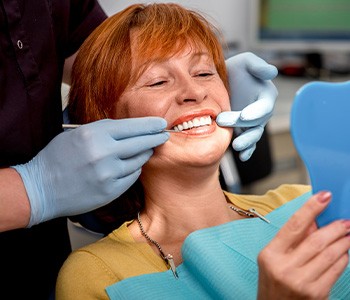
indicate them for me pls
(303, 262)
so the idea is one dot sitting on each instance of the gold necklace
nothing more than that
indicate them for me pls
(169, 259)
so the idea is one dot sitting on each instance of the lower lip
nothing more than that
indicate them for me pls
(202, 130)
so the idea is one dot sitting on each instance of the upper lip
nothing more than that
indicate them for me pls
(190, 116)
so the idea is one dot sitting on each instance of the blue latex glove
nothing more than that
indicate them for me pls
(253, 97)
(88, 167)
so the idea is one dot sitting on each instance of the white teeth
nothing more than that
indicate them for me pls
(196, 122)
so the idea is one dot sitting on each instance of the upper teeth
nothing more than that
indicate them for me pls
(196, 122)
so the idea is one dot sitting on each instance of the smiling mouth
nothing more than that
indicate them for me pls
(195, 122)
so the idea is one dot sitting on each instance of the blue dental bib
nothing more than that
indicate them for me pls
(219, 263)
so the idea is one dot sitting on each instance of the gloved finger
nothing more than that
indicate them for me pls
(116, 188)
(260, 68)
(248, 138)
(228, 118)
(124, 183)
(133, 164)
(263, 106)
(233, 119)
(125, 128)
(247, 153)
(135, 145)
(109, 170)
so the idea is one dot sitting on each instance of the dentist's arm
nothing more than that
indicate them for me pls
(14, 203)
(78, 171)
(253, 97)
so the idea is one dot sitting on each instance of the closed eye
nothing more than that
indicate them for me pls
(158, 83)
(207, 74)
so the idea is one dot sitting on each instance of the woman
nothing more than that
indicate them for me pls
(173, 67)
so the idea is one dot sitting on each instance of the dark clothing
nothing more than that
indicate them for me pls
(35, 38)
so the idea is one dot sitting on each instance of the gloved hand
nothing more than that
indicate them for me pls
(253, 97)
(88, 167)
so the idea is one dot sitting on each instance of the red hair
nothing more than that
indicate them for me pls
(102, 69)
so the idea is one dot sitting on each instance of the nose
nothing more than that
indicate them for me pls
(191, 89)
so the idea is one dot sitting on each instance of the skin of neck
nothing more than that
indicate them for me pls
(180, 201)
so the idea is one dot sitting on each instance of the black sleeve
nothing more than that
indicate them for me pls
(84, 17)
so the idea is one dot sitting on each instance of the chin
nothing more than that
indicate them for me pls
(208, 154)
(199, 152)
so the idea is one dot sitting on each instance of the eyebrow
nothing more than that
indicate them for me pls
(200, 53)
(193, 55)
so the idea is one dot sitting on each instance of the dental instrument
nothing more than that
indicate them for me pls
(72, 126)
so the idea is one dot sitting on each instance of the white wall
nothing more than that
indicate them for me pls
(229, 15)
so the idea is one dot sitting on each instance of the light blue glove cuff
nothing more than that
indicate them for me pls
(34, 192)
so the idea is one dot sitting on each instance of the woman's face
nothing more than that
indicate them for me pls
(188, 93)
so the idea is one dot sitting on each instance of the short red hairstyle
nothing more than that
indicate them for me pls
(102, 69)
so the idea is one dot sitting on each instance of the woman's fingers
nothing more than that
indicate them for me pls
(324, 246)
(303, 261)
(298, 226)
(329, 277)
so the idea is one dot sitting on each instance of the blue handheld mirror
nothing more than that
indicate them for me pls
(320, 128)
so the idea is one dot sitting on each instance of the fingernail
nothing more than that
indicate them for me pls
(346, 224)
(324, 196)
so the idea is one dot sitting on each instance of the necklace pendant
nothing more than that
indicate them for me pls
(170, 260)
(242, 212)
(252, 210)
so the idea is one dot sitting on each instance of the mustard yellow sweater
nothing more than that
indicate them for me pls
(89, 270)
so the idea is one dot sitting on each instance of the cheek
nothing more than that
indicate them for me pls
(223, 98)
(223, 102)
(229, 133)
(135, 105)
(120, 112)
(131, 106)
(123, 107)
(228, 103)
